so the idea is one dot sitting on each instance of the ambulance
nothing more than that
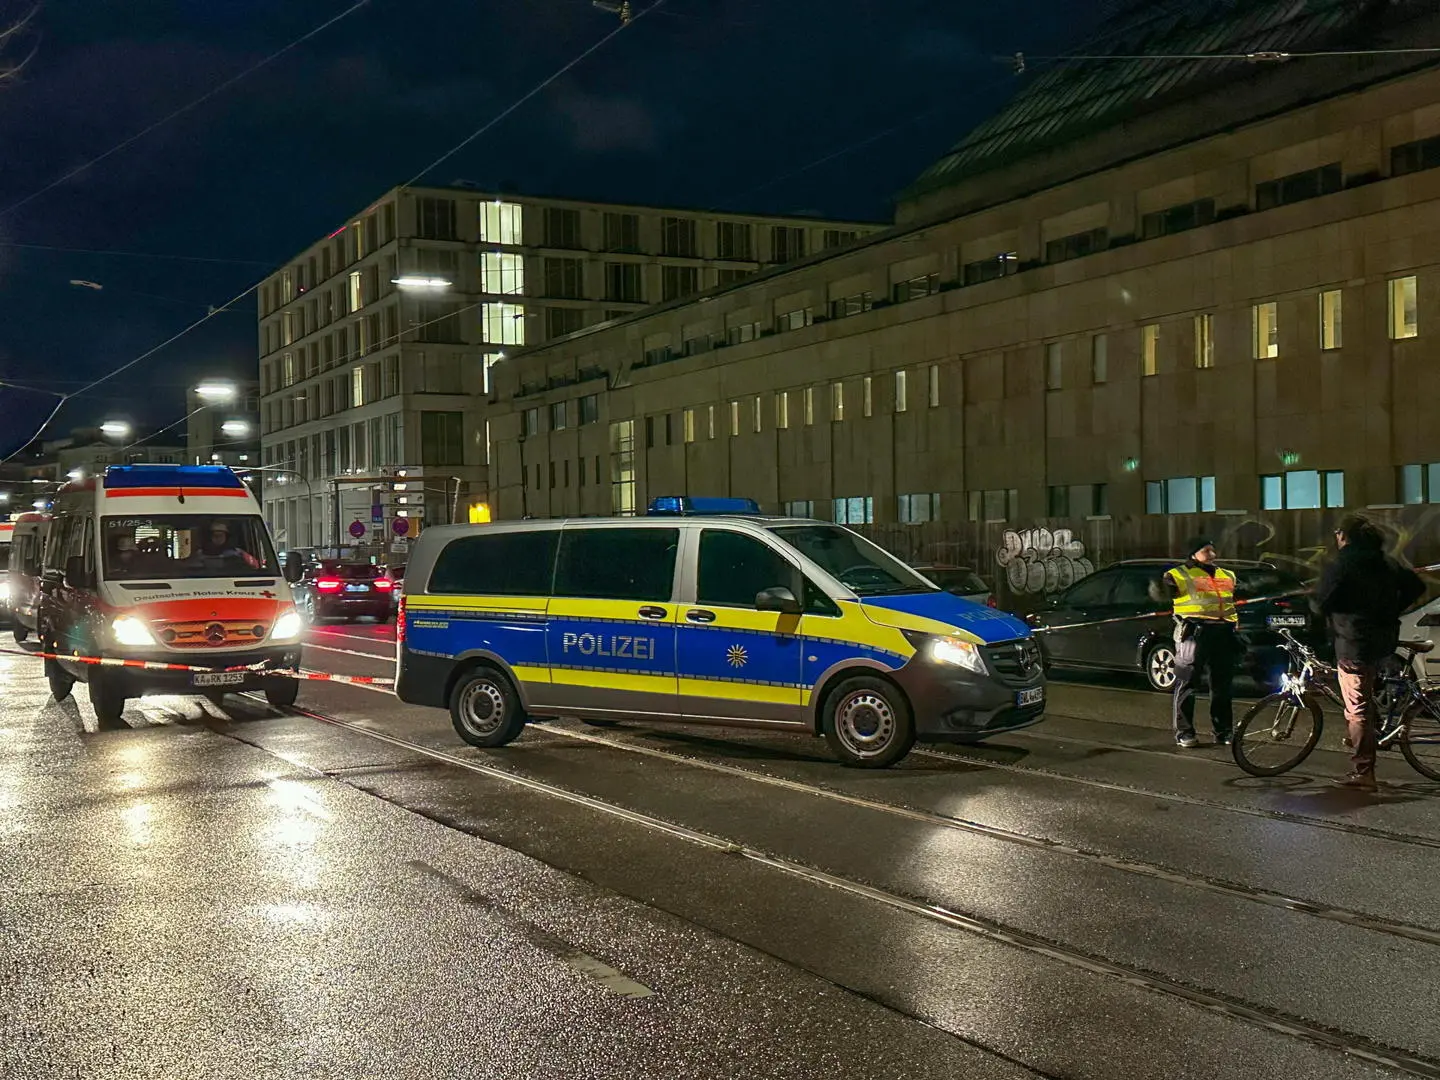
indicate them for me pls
(22, 578)
(171, 564)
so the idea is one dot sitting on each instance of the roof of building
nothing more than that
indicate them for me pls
(1067, 100)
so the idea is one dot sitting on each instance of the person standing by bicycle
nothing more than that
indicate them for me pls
(1203, 599)
(1362, 595)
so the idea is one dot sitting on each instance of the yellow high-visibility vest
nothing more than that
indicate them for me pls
(1202, 596)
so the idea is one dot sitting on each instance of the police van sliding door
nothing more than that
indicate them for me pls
(611, 621)
(737, 662)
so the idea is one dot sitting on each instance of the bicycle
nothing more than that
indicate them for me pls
(1409, 713)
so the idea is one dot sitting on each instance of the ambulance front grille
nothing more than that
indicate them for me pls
(212, 634)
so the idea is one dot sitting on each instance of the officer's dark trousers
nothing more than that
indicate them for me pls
(1211, 648)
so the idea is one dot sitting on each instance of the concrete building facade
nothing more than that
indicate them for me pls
(378, 344)
(1230, 303)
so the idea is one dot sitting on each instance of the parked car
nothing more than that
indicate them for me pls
(1423, 624)
(960, 581)
(1108, 622)
(336, 590)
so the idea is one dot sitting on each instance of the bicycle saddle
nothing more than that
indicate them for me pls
(1420, 647)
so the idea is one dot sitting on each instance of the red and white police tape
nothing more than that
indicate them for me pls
(157, 665)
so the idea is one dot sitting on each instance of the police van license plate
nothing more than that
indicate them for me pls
(1033, 696)
(1286, 621)
(218, 678)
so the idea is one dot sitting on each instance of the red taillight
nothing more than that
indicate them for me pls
(990, 601)
(400, 622)
(327, 584)
(384, 584)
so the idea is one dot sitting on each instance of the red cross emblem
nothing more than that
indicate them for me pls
(268, 595)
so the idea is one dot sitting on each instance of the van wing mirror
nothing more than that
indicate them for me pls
(292, 569)
(75, 574)
(778, 599)
(1431, 618)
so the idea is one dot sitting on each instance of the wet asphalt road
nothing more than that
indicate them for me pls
(221, 891)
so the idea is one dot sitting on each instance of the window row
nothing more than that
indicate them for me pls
(348, 245)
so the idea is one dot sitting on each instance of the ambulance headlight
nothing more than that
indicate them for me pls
(288, 627)
(954, 651)
(129, 630)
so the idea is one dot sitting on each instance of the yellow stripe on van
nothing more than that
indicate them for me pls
(612, 680)
(532, 674)
(738, 691)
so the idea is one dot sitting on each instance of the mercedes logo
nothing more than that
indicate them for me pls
(215, 634)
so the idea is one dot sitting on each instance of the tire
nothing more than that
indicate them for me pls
(868, 723)
(20, 632)
(107, 700)
(1420, 741)
(1159, 667)
(485, 708)
(62, 683)
(1257, 729)
(281, 693)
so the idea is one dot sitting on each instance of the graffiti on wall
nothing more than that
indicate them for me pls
(1039, 561)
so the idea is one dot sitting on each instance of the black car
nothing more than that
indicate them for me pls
(348, 591)
(1107, 621)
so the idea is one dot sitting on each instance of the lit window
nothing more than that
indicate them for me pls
(1302, 489)
(837, 401)
(500, 223)
(734, 418)
(799, 508)
(782, 409)
(689, 425)
(1053, 366)
(902, 397)
(1099, 359)
(489, 360)
(1204, 341)
(809, 405)
(558, 416)
(357, 386)
(502, 273)
(867, 396)
(1181, 495)
(504, 324)
(859, 510)
(1420, 484)
(1266, 325)
(1330, 324)
(710, 421)
(934, 386)
(756, 411)
(1150, 349)
(622, 467)
(1404, 320)
(357, 291)
(918, 509)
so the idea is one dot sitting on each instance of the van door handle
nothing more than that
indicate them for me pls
(653, 613)
(700, 615)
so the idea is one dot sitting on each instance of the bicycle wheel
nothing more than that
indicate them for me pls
(1276, 734)
(1420, 736)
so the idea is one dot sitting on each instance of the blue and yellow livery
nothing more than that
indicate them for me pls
(747, 621)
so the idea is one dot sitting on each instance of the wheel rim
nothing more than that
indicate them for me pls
(1277, 735)
(1162, 668)
(865, 723)
(482, 707)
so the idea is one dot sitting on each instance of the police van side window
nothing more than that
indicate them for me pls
(735, 567)
(617, 564)
(501, 564)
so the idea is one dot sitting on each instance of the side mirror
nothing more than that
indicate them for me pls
(293, 570)
(1430, 619)
(75, 575)
(778, 599)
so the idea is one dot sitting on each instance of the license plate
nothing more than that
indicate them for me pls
(219, 678)
(357, 588)
(1287, 621)
(1030, 697)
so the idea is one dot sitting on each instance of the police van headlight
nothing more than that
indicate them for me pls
(958, 653)
(288, 627)
(129, 630)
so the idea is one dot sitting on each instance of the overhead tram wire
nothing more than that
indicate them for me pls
(182, 110)
(450, 153)
(132, 254)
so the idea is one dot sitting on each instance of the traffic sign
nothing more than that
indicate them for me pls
(400, 526)
(377, 514)
(357, 528)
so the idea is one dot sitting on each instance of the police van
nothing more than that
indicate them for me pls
(22, 577)
(781, 623)
(165, 563)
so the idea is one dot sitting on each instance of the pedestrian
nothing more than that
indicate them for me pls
(1202, 595)
(1362, 594)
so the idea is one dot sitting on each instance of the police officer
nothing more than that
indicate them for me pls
(1203, 596)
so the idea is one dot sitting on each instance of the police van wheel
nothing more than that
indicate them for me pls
(1160, 666)
(485, 709)
(868, 723)
(106, 699)
(61, 681)
(281, 693)
(20, 632)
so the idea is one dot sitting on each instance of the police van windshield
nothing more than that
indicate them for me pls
(170, 546)
(853, 561)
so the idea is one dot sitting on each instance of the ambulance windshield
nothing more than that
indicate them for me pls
(170, 546)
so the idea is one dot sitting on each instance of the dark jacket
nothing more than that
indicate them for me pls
(1362, 595)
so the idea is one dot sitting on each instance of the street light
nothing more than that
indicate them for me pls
(417, 282)
(116, 429)
(76, 474)
(236, 429)
(215, 393)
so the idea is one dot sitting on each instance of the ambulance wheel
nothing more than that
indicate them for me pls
(281, 693)
(867, 723)
(106, 699)
(20, 632)
(485, 708)
(61, 681)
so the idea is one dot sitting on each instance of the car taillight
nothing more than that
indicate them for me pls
(327, 584)
(400, 623)
(384, 583)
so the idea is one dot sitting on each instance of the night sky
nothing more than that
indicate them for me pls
(706, 103)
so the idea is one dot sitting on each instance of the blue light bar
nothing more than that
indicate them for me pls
(189, 477)
(673, 505)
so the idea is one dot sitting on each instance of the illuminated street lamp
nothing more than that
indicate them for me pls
(215, 393)
(115, 429)
(76, 474)
(417, 282)
(236, 429)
